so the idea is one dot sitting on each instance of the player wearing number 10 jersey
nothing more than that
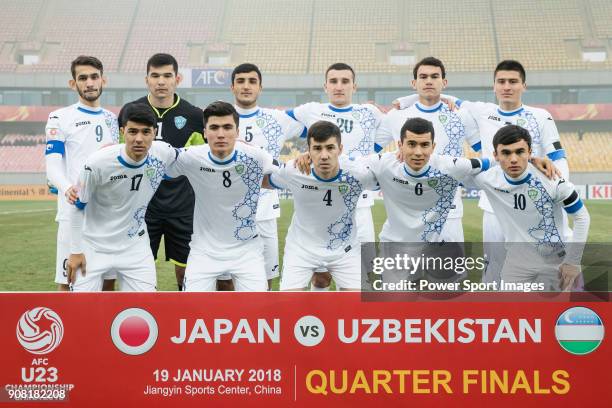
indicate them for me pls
(226, 178)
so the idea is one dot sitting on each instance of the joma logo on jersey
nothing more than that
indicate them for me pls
(343, 189)
(400, 181)
(328, 115)
(494, 118)
(307, 187)
(500, 190)
(119, 177)
(240, 169)
(207, 169)
(533, 193)
(85, 122)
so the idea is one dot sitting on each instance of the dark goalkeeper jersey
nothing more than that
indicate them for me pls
(180, 125)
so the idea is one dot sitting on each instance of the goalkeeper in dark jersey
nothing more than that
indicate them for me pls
(179, 123)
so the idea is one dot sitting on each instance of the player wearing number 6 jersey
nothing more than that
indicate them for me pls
(109, 232)
(226, 178)
(323, 232)
(73, 134)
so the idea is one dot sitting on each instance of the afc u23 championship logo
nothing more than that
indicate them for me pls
(40, 330)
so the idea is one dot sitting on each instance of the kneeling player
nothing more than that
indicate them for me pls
(322, 233)
(226, 178)
(115, 186)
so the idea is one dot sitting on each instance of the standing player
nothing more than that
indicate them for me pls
(322, 233)
(179, 123)
(226, 177)
(73, 134)
(358, 124)
(268, 129)
(509, 85)
(529, 209)
(450, 128)
(115, 186)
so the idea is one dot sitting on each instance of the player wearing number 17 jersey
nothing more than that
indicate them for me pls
(73, 134)
(109, 232)
(226, 177)
(323, 233)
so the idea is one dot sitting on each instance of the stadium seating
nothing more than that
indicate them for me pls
(590, 152)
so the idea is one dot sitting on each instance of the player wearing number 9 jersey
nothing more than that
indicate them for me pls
(109, 232)
(226, 177)
(323, 232)
(73, 134)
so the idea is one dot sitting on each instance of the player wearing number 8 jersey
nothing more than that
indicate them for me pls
(226, 178)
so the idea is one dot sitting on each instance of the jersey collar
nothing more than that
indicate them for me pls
(329, 180)
(333, 108)
(510, 113)
(125, 160)
(424, 171)
(218, 161)
(523, 178)
(247, 113)
(88, 109)
(429, 109)
(177, 99)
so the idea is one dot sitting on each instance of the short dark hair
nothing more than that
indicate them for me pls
(340, 66)
(418, 126)
(220, 108)
(511, 65)
(434, 62)
(86, 60)
(160, 60)
(322, 130)
(138, 113)
(244, 69)
(511, 134)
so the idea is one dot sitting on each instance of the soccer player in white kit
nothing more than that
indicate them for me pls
(73, 134)
(116, 183)
(268, 129)
(450, 128)
(323, 233)
(529, 209)
(358, 124)
(487, 118)
(226, 177)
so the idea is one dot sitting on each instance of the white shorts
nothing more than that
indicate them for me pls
(298, 267)
(268, 232)
(134, 268)
(63, 252)
(494, 250)
(247, 271)
(452, 230)
(521, 266)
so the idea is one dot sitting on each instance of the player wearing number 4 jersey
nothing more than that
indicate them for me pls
(73, 134)
(109, 233)
(226, 178)
(323, 233)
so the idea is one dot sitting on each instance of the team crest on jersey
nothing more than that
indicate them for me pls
(150, 172)
(521, 122)
(260, 122)
(533, 193)
(343, 189)
(356, 115)
(443, 119)
(240, 169)
(433, 183)
(180, 122)
(109, 122)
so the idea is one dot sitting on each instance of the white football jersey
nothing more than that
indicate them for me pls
(323, 222)
(450, 131)
(418, 203)
(489, 118)
(76, 132)
(115, 192)
(268, 129)
(358, 124)
(529, 208)
(226, 196)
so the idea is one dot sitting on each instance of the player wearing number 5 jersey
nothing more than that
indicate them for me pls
(323, 232)
(226, 177)
(73, 134)
(109, 232)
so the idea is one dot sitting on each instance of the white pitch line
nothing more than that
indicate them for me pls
(25, 211)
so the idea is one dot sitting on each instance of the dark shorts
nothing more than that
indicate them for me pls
(177, 235)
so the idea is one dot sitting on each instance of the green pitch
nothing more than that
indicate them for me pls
(28, 235)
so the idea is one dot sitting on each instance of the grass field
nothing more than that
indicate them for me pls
(28, 234)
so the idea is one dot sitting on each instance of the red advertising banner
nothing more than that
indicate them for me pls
(301, 349)
(595, 111)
